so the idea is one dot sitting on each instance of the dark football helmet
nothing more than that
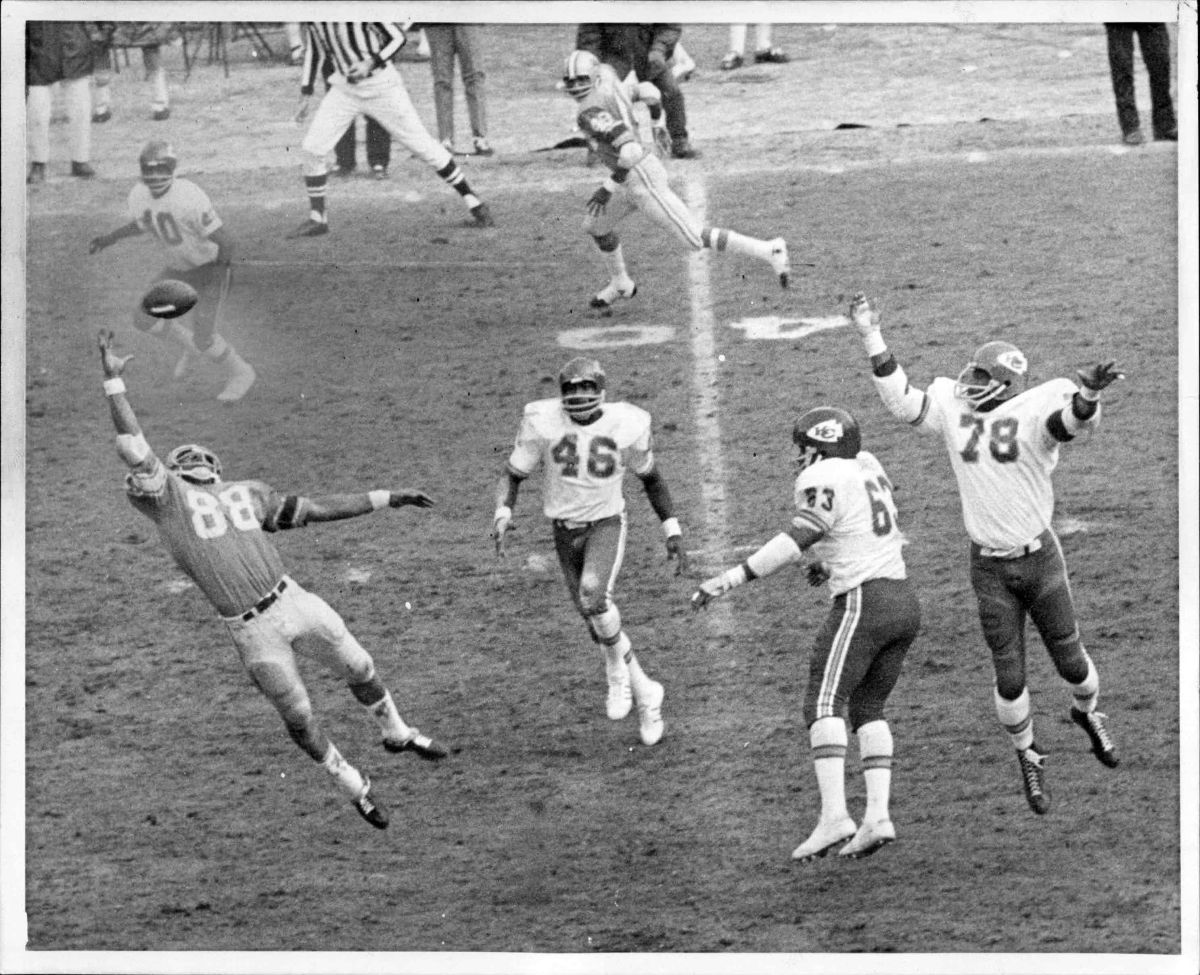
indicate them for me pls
(581, 383)
(996, 373)
(826, 431)
(195, 463)
(157, 163)
(579, 77)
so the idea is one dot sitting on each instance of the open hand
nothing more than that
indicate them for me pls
(500, 528)
(418, 499)
(864, 317)
(113, 364)
(598, 201)
(818, 573)
(675, 552)
(1100, 376)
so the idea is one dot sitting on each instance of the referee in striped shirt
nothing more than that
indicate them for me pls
(364, 82)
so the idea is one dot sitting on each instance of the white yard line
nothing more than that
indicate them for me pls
(714, 513)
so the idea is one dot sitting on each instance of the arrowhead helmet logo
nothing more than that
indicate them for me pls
(827, 431)
(1013, 359)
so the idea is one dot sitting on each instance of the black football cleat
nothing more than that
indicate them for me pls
(1033, 778)
(310, 228)
(1102, 745)
(367, 806)
(421, 745)
(482, 216)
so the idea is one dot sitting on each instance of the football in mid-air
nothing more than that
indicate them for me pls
(169, 299)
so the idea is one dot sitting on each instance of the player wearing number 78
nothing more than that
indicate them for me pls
(198, 249)
(1003, 442)
(846, 519)
(214, 529)
(585, 445)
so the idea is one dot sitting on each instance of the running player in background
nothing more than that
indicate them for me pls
(846, 518)
(199, 250)
(1003, 442)
(214, 530)
(638, 181)
(585, 445)
(364, 81)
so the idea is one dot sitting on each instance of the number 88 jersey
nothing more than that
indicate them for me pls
(584, 464)
(215, 533)
(850, 502)
(181, 220)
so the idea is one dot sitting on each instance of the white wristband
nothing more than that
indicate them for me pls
(609, 184)
(1091, 395)
(670, 527)
(874, 344)
(379, 499)
(503, 511)
(114, 386)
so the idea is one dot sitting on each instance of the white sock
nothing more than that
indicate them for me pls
(614, 260)
(828, 739)
(391, 725)
(638, 680)
(614, 654)
(875, 753)
(1087, 691)
(347, 777)
(1017, 718)
(720, 239)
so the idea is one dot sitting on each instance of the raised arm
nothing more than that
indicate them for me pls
(1083, 411)
(131, 445)
(901, 400)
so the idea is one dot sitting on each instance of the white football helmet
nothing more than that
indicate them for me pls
(996, 373)
(580, 74)
(194, 463)
(581, 384)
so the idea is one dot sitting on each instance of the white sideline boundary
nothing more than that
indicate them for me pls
(705, 408)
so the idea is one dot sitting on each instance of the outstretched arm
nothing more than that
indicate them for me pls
(660, 500)
(901, 400)
(783, 549)
(130, 229)
(1084, 408)
(296, 511)
(131, 445)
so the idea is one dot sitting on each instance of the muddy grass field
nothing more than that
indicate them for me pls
(168, 818)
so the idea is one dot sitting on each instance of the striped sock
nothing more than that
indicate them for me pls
(316, 195)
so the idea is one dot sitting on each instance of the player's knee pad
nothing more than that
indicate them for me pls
(284, 690)
(312, 164)
(608, 242)
(829, 733)
(606, 623)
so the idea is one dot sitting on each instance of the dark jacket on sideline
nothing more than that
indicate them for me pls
(57, 50)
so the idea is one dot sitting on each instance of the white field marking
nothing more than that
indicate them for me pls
(612, 336)
(706, 408)
(554, 184)
(176, 586)
(356, 575)
(774, 327)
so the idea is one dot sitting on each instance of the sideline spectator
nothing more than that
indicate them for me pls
(646, 50)
(58, 52)
(764, 51)
(446, 41)
(1155, 43)
(149, 37)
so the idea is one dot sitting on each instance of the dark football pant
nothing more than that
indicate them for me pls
(859, 651)
(1155, 43)
(1036, 586)
(590, 555)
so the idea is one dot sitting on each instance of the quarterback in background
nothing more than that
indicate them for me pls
(1003, 441)
(215, 529)
(637, 180)
(585, 445)
(845, 518)
(198, 250)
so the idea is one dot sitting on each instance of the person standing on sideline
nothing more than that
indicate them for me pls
(637, 180)
(198, 248)
(846, 517)
(1003, 442)
(364, 82)
(150, 38)
(58, 52)
(585, 445)
(446, 42)
(764, 51)
(1155, 42)
(215, 529)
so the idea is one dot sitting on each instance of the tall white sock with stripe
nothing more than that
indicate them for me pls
(828, 739)
(1087, 691)
(1017, 718)
(875, 753)
(719, 239)
(347, 777)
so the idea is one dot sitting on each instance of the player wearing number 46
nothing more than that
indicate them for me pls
(585, 445)
(198, 250)
(1003, 442)
(215, 531)
(846, 519)
(638, 181)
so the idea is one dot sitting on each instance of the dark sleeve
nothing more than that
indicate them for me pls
(666, 36)
(589, 37)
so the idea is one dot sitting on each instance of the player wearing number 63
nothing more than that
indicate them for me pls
(1003, 442)
(215, 531)
(585, 445)
(182, 220)
(846, 519)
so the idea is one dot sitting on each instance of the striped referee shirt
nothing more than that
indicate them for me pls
(344, 45)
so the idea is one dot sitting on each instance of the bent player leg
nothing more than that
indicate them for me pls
(648, 185)
(333, 117)
(212, 283)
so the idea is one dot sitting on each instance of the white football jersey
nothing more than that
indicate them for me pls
(1002, 459)
(850, 501)
(584, 465)
(181, 220)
